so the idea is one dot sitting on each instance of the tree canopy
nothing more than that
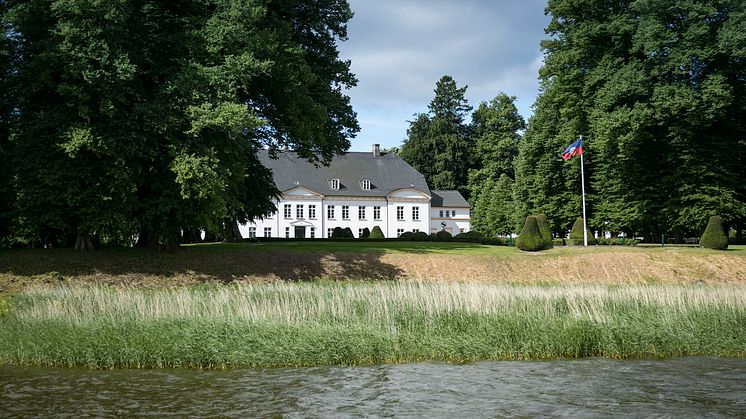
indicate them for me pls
(143, 118)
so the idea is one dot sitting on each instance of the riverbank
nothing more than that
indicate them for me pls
(360, 260)
(354, 323)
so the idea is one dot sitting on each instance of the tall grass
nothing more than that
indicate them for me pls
(361, 323)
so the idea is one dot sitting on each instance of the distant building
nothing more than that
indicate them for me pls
(357, 190)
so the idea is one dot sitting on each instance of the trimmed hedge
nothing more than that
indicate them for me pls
(347, 233)
(530, 239)
(366, 233)
(616, 241)
(406, 236)
(376, 233)
(576, 234)
(442, 236)
(546, 234)
(420, 236)
(714, 236)
(337, 233)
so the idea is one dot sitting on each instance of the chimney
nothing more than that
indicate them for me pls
(376, 150)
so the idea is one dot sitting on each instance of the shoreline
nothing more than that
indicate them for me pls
(365, 323)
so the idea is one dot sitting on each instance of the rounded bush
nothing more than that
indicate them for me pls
(347, 233)
(406, 236)
(546, 233)
(337, 233)
(714, 236)
(376, 233)
(530, 239)
(366, 233)
(420, 236)
(442, 236)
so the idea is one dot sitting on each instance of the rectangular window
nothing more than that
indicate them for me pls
(252, 232)
(267, 231)
(360, 232)
(335, 184)
(399, 232)
(345, 212)
(415, 230)
(287, 232)
(313, 232)
(366, 185)
(330, 212)
(416, 213)
(400, 213)
(329, 232)
(376, 213)
(312, 212)
(361, 213)
(287, 211)
(441, 213)
(299, 211)
(453, 213)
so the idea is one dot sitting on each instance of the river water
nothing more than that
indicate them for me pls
(679, 387)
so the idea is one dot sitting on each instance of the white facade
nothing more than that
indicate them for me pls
(454, 220)
(315, 216)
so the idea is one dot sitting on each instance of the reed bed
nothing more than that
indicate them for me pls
(303, 324)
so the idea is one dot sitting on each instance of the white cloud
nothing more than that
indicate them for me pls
(400, 48)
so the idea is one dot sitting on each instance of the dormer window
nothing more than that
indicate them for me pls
(334, 183)
(365, 184)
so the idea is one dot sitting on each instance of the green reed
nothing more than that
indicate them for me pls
(303, 324)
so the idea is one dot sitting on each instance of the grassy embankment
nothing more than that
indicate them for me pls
(363, 323)
(127, 308)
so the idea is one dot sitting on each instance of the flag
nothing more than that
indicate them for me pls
(575, 149)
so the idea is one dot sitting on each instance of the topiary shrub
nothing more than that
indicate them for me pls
(494, 241)
(442, 236)
(347, 233)
(714, 236)
(376, 233)
(558, 242)
(337, 233)
(420, 236)
(366, 233)
(576, 234)
(406, 236)
(546, 233)
(530, 239)
(469, 236)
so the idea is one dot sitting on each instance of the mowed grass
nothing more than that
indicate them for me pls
(361, 260)
(351, 323)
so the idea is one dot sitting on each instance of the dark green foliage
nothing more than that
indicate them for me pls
(494, 241)
(546, 234)
(406, 236)
(469, 235)
(652, 86)
(530, 239)
(576, 234)
(437, 143)
(442, 236)
(420, 236)
(337, 233)
(347, 233)
(714, 236)
(143, 119)
(376, 233)
(558, 242)
(366, 233)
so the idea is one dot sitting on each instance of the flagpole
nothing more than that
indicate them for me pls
(582, 185)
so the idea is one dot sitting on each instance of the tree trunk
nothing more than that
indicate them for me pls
(83, 242)
(232, 232)
(143, 239)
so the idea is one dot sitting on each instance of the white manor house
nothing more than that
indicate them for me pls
(357, 190)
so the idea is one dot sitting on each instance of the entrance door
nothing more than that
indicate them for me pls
(300, 232)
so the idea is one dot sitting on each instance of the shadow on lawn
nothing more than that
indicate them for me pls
(203, 266)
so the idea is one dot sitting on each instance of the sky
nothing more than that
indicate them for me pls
(400, 48)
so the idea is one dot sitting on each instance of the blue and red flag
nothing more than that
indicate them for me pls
(575, 149)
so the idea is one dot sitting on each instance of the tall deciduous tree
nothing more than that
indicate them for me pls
(657, 88)
(438, 143)
(145, 116)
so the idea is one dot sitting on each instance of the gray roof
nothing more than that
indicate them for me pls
(448, 199)
(387, 173)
